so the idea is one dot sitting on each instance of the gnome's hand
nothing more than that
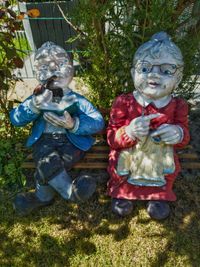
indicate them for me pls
(42, 101)
(169, 134)
(65, 121)
(139, 127)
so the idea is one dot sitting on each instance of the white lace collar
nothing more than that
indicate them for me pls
(160, 103)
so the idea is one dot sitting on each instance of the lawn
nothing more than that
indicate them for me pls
(67, 234)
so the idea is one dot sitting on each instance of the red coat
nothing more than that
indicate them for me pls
(125, 108)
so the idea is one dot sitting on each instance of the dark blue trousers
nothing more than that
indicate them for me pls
(52, 154)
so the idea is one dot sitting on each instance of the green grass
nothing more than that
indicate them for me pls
(67, 234)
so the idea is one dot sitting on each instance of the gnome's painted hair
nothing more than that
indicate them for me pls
(49, 48)
(159, 43)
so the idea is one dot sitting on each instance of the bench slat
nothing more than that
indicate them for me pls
(91, 165)
(100, 148)
(87, 156)
(105, 156)
(188, 156)
(190, 165)
(80, 165)
(103, 165)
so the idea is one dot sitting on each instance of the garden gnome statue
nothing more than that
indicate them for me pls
(63, 122)
(145, 128)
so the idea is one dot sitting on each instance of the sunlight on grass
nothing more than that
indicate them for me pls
(67, 234)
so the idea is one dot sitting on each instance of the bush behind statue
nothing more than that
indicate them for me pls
(11, 155)
(11, 158)
(111, 31)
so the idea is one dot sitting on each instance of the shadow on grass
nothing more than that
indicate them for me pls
(53, 235)
(183, 226)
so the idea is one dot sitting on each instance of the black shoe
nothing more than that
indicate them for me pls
(158, 210)
(121, 207)
(25, 203)
(83, 188)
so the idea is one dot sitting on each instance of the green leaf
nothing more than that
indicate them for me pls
(23, 180)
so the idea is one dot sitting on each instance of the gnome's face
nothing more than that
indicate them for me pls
(156, 78)
(52, 63)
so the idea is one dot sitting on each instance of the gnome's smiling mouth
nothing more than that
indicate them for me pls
(153, 84)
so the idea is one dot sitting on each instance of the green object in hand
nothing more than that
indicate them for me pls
(68, 103)
(71, 109)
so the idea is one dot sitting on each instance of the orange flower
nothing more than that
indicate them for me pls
(33, 13)
(21, 16)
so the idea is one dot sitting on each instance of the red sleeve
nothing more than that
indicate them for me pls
(181, 119)
(116, 135)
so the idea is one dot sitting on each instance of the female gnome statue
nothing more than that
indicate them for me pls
(62, 124)
(144, 130)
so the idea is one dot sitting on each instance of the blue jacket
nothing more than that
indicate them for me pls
(90, 122)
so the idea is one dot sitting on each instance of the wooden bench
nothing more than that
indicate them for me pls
(97, 156)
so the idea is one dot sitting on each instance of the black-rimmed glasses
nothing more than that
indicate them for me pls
(165, 69)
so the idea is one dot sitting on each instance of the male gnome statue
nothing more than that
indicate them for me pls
(144, 130)
(62, 124)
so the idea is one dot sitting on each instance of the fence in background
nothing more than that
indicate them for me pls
(49, 26)
(28, 56)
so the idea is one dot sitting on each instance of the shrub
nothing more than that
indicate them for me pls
(111, 31)
(9, 58)
(11, 155)
(11, 158)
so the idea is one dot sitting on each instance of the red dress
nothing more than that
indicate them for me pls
(125, 108)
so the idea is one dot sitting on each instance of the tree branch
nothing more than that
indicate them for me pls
(99, 26)
(69, 22)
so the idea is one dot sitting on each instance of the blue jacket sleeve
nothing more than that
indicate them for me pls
(22, 115)
(90, 119)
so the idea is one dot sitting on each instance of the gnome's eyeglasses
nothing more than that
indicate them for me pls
(165, 69)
